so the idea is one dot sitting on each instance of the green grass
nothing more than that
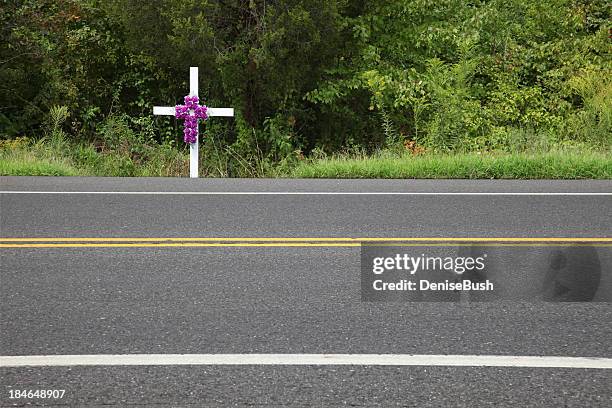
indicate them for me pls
(552, 165)
(22, 163)
(58, 157)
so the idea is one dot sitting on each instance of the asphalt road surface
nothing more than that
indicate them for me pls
(271, 267)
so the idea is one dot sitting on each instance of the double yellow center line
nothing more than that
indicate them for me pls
(141, 242)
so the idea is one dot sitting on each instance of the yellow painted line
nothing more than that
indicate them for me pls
(310, 239)
(161, 242)
(187, 244)
(279, 244)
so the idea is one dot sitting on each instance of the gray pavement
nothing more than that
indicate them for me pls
(284, 300)
(178, 215)
(331, 185)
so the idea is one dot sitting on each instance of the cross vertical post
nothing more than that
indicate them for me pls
(194, 148)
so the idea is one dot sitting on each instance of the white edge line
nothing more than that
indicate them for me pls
(315, 193)
(306, 359)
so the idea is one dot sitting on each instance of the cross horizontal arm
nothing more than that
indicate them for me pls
(220, 111)
(163, 110)
(169, 110)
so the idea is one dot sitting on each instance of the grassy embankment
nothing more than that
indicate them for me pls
(548, 165)
(56, 157)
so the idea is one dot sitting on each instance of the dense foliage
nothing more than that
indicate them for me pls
(308, 75)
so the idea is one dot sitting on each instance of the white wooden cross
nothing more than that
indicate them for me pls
(170, 111)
